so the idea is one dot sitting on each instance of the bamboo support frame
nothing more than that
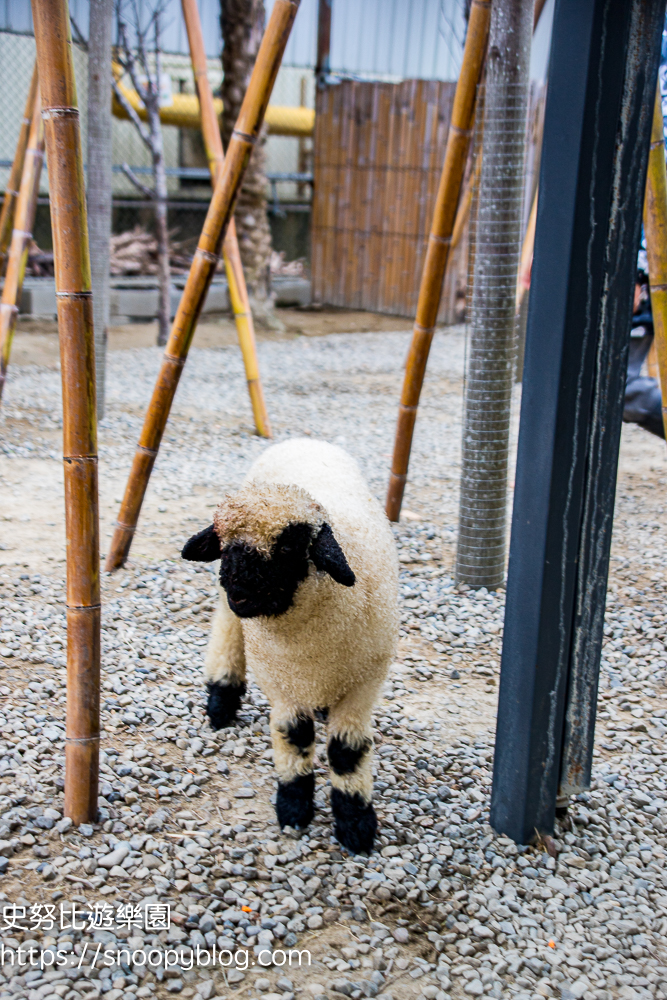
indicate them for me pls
(238, 291)
(526, 261)
(652, 367)
(537, 12)
(201, 273)
(655, 221)
(24, 218)
(16, 173)
(77, 356)
(437, 254)
(463, 210)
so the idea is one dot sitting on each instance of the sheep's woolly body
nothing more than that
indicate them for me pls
(333, 638)
(332, 648)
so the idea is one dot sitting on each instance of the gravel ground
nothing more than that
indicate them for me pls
(444, 908)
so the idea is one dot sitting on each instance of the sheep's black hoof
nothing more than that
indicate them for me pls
(355, 821)
(294, 803)
(223, 703)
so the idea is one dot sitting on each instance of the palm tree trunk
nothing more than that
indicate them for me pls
(242, 23)
(99, 179)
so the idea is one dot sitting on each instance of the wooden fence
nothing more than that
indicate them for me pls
(379, 149)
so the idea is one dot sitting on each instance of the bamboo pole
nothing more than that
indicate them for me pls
(652, 368)
(202, 269)
(438, 248)
(16, 173)
(526, 261)
(77, 358)
(463, 211)
(537, 11)
(655, 221)
(238, 291)
(24, 218)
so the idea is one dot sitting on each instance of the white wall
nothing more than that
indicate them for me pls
(420, 38)
(381, 38)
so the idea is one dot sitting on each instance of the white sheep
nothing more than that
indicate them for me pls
(309, 602)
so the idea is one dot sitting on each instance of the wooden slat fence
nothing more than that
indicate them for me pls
(379, 149)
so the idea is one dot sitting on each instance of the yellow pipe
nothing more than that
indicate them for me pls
(184, 113)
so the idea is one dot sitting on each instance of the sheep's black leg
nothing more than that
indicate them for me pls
(223, 702)
(294, 748)
(350, 752)
(224, 669)
(294, 801)
(355, 822)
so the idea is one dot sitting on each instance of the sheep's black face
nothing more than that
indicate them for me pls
(265, 585)
(257, 584)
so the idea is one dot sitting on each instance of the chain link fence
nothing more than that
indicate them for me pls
(189, 186)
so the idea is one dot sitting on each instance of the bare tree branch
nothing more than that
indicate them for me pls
(132, 114)
(131, 176)
(158, 67)
(128, 62)
(78, 36)
(153, 78)
(141, 47)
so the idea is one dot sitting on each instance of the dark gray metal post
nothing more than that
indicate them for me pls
(602, 76)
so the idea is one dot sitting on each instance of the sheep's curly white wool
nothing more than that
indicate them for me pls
(332, 648)
(259, 512)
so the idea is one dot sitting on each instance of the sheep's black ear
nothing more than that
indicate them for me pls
(202, 547)
(327, 555)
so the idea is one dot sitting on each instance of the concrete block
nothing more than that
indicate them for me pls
(140, 302)
(132, 299)
(38, 298)
(291, 291)
(132, 303)
(217, 299)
